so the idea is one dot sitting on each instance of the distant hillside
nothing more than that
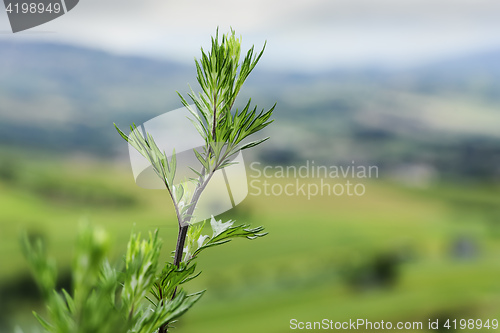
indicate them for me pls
(60, 96)
(65, 98)
(474, 74)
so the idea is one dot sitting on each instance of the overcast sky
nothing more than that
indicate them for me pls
(302, 35)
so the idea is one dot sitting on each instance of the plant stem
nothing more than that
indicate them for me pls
(163, 328)
(215, 118)
(181, 239)
(184, 224)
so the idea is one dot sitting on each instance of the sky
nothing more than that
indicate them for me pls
(308, 36)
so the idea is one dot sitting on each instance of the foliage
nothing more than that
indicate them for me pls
(104, 298)
(221, 76)
(142, 296)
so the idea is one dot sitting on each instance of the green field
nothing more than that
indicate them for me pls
(394, 254)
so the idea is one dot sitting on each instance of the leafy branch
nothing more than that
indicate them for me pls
(143, 296)
(105, 298)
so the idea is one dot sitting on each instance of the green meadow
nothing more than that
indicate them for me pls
(395, 254)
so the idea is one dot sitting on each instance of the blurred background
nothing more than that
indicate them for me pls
(411, 87)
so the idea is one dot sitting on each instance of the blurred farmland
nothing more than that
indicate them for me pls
(393, 254)
(422, 243)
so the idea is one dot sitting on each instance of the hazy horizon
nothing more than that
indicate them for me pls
(302, 36)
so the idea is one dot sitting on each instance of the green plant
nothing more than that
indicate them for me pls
(104, 298)
(142, 296)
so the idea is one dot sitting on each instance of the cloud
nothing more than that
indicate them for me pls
(304, 35)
